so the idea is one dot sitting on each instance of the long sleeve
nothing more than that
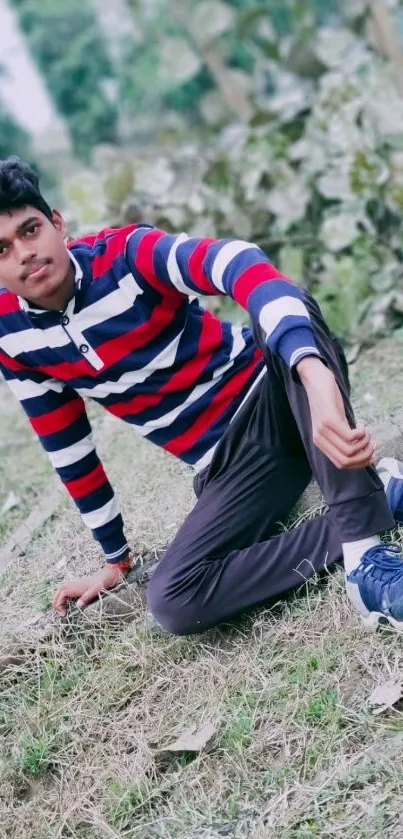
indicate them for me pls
(58, 416)
(235, 268)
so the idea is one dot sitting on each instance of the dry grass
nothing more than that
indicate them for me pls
(298, 753)
(21, 470)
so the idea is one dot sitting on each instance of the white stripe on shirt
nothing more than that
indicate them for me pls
(72, 454)
(272, 313)
(28, 389)
(164, 359)
(225, 255)
(105, 514)
(31, 339)
(174, 272)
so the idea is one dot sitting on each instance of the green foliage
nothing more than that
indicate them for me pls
(315, 176)
(65, 41)
(36, 752)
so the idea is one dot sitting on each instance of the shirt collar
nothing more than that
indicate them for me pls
(34, 310)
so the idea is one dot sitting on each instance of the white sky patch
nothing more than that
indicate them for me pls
(22, 89)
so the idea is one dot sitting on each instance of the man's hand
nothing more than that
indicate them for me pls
(347, 448)
(86, 589)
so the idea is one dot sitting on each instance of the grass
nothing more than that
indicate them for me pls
(298, 752)
(81, 716)
(24, 469)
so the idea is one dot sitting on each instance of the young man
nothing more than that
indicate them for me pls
(256, 410)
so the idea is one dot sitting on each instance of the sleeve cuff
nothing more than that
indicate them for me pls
(112, 539)
(296, 344)
(117, 557)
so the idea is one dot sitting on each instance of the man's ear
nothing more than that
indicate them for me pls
(59, 223)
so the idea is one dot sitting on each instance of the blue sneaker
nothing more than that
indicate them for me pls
(376, 586)
(390, 472)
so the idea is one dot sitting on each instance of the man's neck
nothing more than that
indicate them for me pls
(58, 301)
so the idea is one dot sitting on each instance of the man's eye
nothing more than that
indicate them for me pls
(31, 230)
(3, 250)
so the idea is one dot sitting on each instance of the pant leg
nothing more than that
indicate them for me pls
(228, 555)
(207, 574)
(356, 498)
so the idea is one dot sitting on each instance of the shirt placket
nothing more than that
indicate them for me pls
(71, 327)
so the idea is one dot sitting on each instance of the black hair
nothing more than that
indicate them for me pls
(19, 187)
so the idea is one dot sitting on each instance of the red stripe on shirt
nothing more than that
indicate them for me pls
(196, 267)
(88, 483)
(58, 419)
(12, 364)
(114, 246)
(144, 263)
(254, 276)
(217, 406)
(185, 378)
(9, 303)
(68, 370)
(117, 348)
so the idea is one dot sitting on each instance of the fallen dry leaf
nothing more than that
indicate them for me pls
(191, 740)
(10, 503)
(386, 695)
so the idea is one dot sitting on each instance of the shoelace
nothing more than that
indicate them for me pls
(384, 565)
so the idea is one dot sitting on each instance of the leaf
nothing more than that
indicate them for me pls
(213, 109)
(289, 204)
(179, 62)
(292, 96)
(340, 230)
(337, 46)
(153, 178)
(212, 18)
(191, 740)
(385, 695)
(291, 262)
(335, 183)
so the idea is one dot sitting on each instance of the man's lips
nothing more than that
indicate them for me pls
(37, 272)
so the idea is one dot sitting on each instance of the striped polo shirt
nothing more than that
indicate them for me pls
(135, 338)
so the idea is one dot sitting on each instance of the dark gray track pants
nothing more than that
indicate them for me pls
(230, 554)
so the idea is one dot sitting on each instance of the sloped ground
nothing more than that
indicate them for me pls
(297, 750)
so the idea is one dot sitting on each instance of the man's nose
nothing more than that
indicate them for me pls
(26, 251)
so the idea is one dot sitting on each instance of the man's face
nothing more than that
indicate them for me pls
(34, 261)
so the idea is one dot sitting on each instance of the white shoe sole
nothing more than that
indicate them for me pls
(373, 619)
(389, 465)
(370, 619)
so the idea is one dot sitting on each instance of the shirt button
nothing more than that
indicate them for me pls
(65, 320)
(84, 348)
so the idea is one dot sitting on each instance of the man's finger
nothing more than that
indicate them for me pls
(346, 449)
(359, 460)
(89, 595)
(341, 428)
(60, 601)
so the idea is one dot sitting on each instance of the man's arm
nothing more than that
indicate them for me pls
(242, 271)
(58, 416)
(238, 269)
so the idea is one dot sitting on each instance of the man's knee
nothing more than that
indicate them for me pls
(174, 616)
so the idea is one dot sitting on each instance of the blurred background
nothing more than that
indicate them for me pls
(277, 121)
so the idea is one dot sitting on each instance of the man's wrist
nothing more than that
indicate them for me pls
(124, 564)
(308, 367)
